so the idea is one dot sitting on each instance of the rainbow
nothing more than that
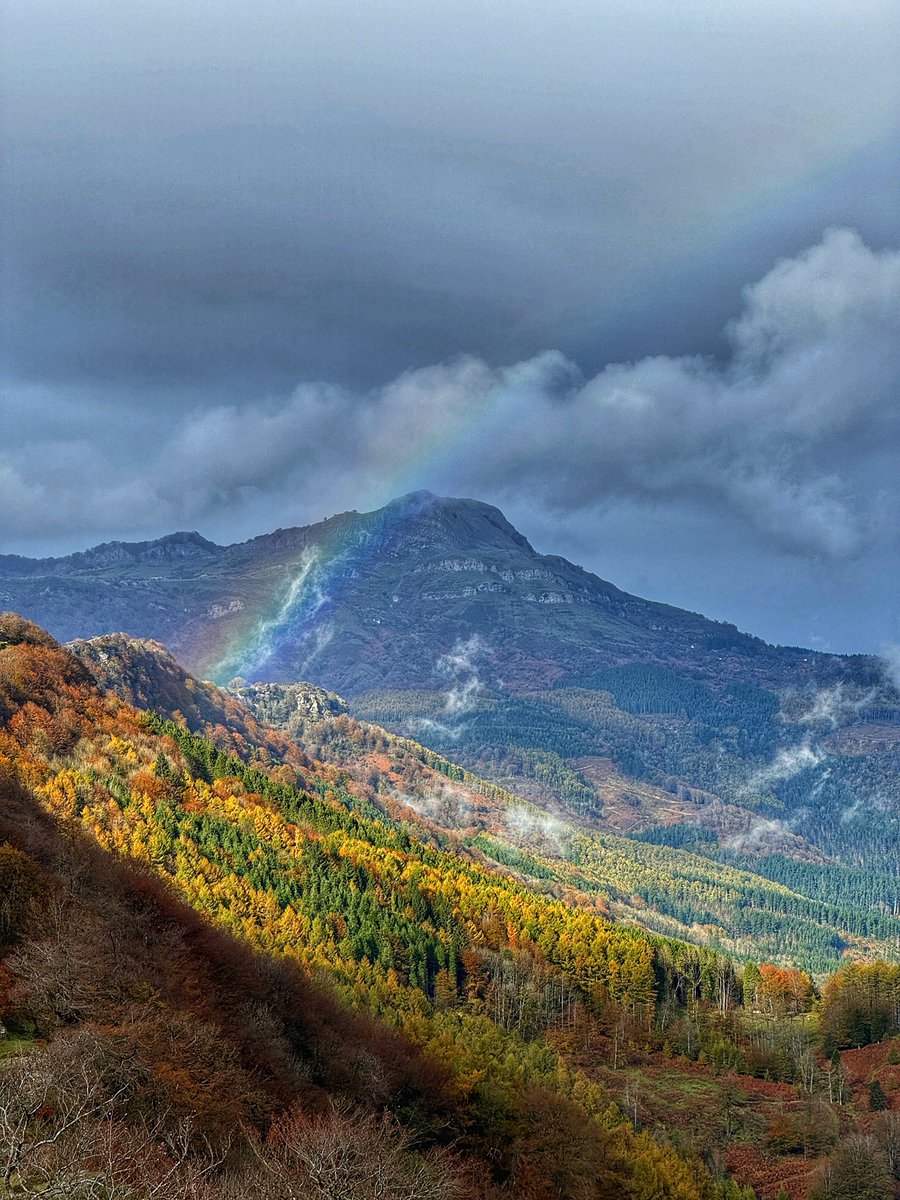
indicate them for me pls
(295, 610)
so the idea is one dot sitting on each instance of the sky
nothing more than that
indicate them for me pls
(629, 270)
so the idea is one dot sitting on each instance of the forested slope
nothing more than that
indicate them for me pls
(475, 998)
(809, 914)
(291, 865)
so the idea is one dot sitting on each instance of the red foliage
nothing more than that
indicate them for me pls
(784, 990)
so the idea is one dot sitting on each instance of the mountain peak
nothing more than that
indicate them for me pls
(409, 499)
(171, 547)
(462, 520)
(180, 545)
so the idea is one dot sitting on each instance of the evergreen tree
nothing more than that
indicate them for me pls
(877, 1099)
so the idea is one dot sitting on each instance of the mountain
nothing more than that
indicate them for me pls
(373, 600)
(435, 618)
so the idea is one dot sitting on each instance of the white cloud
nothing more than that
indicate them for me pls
(526, 824)
(461, 667)
(834, 706)
(761, 835)
(777, 436)
(891, 656)
(785, 765)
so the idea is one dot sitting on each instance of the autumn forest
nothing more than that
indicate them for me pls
(230, 968)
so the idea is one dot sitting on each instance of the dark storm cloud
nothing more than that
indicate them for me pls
(205, 206)
(775, 436)
(203, 197)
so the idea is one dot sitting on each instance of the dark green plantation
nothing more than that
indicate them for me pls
(759, 797)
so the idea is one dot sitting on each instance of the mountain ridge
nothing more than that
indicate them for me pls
(104, 554)
(363, 600)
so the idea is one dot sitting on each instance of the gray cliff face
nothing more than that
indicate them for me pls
(288, 706)
(384, 600)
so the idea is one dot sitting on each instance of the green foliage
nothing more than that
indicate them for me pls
(878, 1102)
(860, 1005)
(691, 737)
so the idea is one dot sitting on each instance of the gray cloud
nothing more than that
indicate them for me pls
(775, 435)
(200, 198)
(785, 440)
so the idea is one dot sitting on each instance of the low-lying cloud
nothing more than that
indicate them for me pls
(786, 764)
(891, 657)
(461, 667)
(833, 706)
(525, 824)
(763, 834)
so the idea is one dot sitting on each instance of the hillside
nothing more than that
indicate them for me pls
(667, 889)
(301, 870)
(436, 619)
(500, 973)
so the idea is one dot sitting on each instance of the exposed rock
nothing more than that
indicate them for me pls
(288, 706)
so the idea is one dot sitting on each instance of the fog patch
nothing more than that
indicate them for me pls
(461, 667)
(832, 707)
(445, 805)
(891, 656)
(763, 834)
(528, 824)
(786, 764)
